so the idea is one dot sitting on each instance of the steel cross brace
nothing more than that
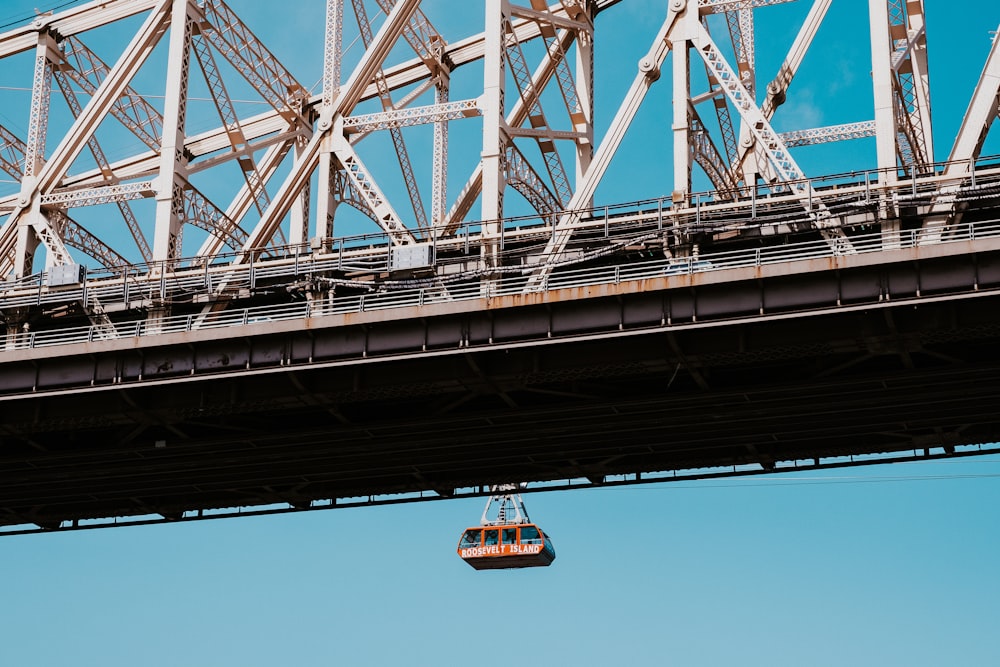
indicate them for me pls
(649, 72)
(781, 160)
(102, 164)
(328, 130)
(227, 114)
(110, 90)
(982, 111)
(908, 62)
(237, 44)
(385, 98)
(522, 177)
(514, 55)
(87, 70)
(74, 235)
(515, 118)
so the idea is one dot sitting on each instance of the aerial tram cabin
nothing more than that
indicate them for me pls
(510, 540)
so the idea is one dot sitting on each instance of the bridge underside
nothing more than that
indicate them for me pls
(673, 374)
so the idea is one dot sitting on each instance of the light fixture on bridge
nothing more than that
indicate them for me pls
(66, 275)
(412, 257)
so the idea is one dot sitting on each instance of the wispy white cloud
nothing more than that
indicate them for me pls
(801, 111)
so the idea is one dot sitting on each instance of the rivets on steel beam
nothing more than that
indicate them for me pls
(648, 67)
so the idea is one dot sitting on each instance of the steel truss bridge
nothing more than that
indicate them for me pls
(220, 346)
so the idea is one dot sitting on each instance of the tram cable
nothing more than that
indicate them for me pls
(24, 19)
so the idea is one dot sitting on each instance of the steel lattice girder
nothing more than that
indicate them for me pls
(300, 128)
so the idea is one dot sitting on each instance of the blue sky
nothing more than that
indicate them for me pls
(825, 572)
(884, 565)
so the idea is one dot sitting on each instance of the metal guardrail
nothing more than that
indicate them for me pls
(813, 249)
(844, 195)
(215, 280)
(839, 194)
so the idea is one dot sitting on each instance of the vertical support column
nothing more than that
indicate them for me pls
(439, 182)
(332, 51)
(299, 213)
(326, 205)
(882, 81)
(680, 36)
(752, 165)
(916, 23)
(46, 52)
(748, 59)
(173, 163)
(885, 117)
(27, 242)
(583, 118)
(494, 136)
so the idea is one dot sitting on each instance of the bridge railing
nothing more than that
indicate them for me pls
(369, 253)
(845, 195)
(511, 284)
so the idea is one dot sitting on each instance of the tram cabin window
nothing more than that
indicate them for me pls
(508, 536)
(491, 537)
(471, 538)
(530, 535)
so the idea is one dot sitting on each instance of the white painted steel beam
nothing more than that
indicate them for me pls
(777, 88)
(316, 139)
(354, 89)
(882, 81)
(649, 72)
(979, 117)
(494, 135)
(981, 112)
(102, 195)
(72, 21)
(410, 116)
(173, 161)
(719, 6)
(822, 135)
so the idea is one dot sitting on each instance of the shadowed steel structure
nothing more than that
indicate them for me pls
(227, 349)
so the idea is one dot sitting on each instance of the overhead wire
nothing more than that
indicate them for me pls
(16, 22)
